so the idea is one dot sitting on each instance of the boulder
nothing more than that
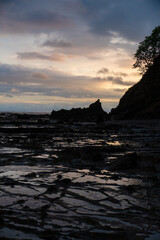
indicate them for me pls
(126, 162)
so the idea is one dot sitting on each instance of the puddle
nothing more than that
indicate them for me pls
(114, 143)
(8, 150)
(42, 156)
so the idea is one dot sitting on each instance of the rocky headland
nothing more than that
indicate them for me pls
(142, 101)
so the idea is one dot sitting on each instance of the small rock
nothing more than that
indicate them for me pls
(128, 161)
(31, 175)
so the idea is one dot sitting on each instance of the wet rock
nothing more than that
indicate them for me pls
(65, 181)
(31, 175)
(92, 155)
(110, 235)
(142, 101)
(21, 201)
(150, 163)
(128, 161)
(157, 167)
(69, 154)
(67, 196)
(59, 176)
(50, 234)
(52, 189)
(130, 188)
(1, 221)
(9, 182)
(94, 113)
(115, 177)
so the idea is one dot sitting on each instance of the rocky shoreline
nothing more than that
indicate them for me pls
(79, 180)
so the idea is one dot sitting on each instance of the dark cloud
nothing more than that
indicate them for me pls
(23, 17)
(56, 43)
(131, 19)
(103, 71)
(114, 80)
(106, 71)
(36, 55)
(4, 3)
(45, 18)
(119, 81)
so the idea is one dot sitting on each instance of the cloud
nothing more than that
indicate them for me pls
(40, 75)
(122, 74)
(45, 19)
(9, 96)
(122, 90)
(21, 81)
(57, 43)
(114, 80)
(121, 17)
(14, 90)
(106, 71)
(119, 81)
(37, 55)
(18, 17)
(4, 3)
(130, 20)
(103, 71)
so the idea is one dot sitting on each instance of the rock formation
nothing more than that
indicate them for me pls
(142, 101)
(93, 113)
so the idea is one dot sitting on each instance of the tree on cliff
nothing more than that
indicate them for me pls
(147, 51)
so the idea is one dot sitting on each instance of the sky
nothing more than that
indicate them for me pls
(69, 53)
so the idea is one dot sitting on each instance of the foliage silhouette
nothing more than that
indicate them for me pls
(147, 51)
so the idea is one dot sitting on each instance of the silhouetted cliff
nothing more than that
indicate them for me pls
(142, 101)
(93, 113)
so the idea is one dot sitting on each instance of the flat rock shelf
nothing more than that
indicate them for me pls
(79, 180)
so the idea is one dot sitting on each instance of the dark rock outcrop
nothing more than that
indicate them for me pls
(94, 113)
(126, 162)
(142, 101)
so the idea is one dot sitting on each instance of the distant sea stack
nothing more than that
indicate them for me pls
(142, 101)
(94, 113)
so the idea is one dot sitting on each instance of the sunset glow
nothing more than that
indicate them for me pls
(68, 53)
